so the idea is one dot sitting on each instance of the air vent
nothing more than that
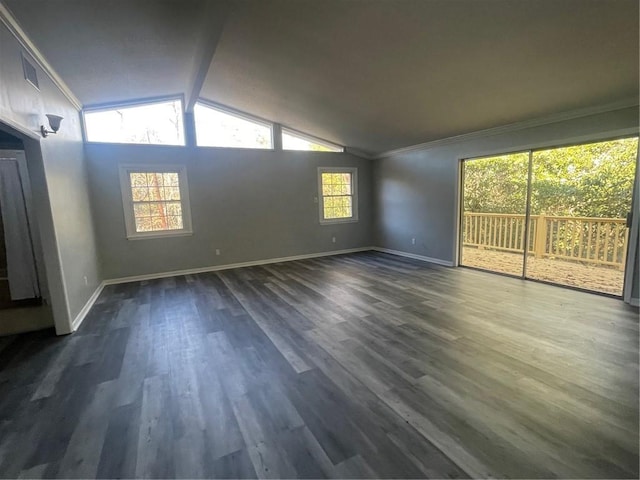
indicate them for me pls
(30, 73)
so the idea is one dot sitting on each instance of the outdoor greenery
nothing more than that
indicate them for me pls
(337, 195)
(593, 180)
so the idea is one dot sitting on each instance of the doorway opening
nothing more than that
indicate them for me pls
(566, 207)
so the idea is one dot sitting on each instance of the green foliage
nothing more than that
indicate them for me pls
(593, 180)
(336, 194)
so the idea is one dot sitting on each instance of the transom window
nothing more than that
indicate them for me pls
(155, 201)
(338, 196)
(292, 140)
(219, 127)
(157, 123)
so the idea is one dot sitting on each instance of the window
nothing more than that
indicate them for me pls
(219, 127)
(338, 195)
(158, 123)
(298, 141)
(156, 200)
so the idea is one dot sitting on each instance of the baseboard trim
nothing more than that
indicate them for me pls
(634, 302)
(87, 306)
(229, 266)
(437, 261)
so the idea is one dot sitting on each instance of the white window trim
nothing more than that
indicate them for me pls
(127, 200)
(310, 138)
(243, 116)
(354, 194)
(132, 104)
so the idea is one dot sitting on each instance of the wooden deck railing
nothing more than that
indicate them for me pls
(600, 241)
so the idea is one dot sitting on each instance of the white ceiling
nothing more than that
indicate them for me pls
(370, 74)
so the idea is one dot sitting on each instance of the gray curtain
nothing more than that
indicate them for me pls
(21, 264)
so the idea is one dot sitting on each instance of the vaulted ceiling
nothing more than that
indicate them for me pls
(370, 74)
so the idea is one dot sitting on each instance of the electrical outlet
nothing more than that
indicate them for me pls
(217, 251)
(86, 282)
(413, 241)
(333, 239)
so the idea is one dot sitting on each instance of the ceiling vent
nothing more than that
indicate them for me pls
(30, 73)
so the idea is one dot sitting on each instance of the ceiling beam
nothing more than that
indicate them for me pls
(214, 17)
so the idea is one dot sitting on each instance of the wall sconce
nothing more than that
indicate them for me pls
(54, 123)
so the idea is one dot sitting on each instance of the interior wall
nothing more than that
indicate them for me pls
(250, 204)
(416, 193)
(59, 182)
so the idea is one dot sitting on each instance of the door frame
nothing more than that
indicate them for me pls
(632, 245)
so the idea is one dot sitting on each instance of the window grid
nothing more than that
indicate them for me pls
(156, 200)
(337, 195)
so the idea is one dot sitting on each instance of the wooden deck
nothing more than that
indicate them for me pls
(363, 365)
(588, 276)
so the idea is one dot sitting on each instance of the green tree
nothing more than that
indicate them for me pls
(592, 180)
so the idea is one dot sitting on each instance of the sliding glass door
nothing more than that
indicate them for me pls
(566, 207)
(580, 197)
(494, 212)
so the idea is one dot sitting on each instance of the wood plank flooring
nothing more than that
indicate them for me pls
(355, 366)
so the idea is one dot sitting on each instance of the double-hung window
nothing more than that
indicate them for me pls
(156, 200)
(338, 197)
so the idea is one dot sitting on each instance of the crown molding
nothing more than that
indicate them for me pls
(7, 18)
(513, 127)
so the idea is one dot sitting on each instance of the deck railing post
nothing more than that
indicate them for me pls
(540, 241)
(625, 239)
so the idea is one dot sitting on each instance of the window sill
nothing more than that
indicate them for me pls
(333, 222)
(181, 233)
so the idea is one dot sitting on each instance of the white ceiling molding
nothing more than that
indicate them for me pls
(16, 30)
(513, 127)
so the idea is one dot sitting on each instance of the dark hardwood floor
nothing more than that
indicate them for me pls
(364, 365)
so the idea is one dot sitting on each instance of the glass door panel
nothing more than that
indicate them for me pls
(493, 214)
(580, 196)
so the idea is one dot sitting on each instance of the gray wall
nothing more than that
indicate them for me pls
(416, 193)
(59, 180)
(250, 204)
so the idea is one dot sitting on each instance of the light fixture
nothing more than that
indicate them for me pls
(54, 123)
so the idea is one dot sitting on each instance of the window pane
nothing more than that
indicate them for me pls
(291, 141)
(138, 179)
(141, 210)
(216, 128)
(174, 222)
(143, 224)
(155, 123)
(140, 194)
(338, 207)
(157, 202)
(159, 223)
(174, 208)
(155, 179)
(171, 193)
(155, 193)
(170, 179)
